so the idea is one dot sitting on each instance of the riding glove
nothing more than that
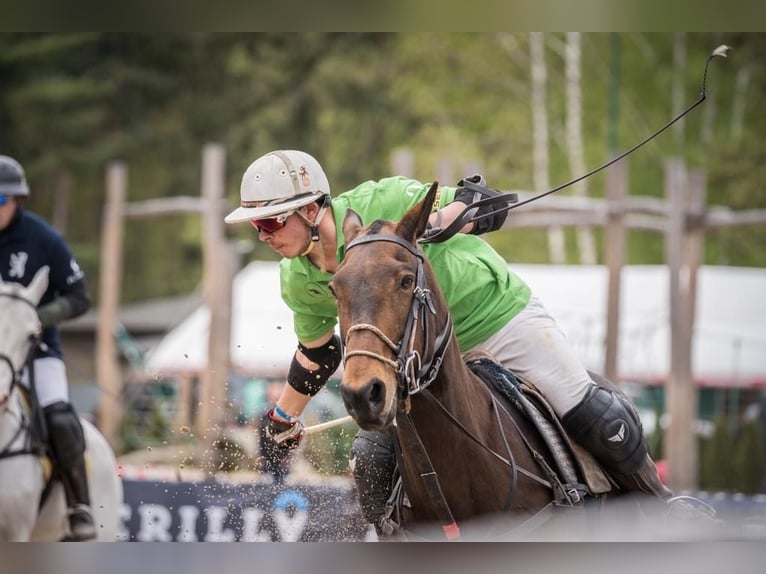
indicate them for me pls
(474, 188)
(285, 434)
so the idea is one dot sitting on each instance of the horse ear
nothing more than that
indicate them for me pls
(39, 284)
(414, 222)
(352, 224)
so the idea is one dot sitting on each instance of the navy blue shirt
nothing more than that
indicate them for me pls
(30, 243)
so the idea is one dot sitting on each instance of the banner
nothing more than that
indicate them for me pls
(210, 511)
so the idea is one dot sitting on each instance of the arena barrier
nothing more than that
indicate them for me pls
(212, 511)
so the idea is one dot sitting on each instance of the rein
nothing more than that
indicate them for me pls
(30, 395)
(414, 374)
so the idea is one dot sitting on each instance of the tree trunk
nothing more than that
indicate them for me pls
(575, 140)
(679, 66)
(540, 138)
(740, 97)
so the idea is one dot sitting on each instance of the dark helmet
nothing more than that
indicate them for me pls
(12, 179)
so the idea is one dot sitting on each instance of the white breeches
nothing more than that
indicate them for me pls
(533, 346)
(50, 381)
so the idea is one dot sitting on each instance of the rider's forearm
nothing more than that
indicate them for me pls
(65, 307)
(292, 402)
(447, 214)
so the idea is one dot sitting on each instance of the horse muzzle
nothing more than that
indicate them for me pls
(369, 404)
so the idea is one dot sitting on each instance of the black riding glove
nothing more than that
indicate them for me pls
(474, 188)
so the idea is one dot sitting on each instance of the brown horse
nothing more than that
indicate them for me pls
(463, 453)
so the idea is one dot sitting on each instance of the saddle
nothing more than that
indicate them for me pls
(574, 465)
(37, 440)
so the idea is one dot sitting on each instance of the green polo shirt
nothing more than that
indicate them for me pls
(482, 293)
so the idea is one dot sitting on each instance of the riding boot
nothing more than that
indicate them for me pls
(68, 447)
(81, 523)
(607, 425)
(373, 464)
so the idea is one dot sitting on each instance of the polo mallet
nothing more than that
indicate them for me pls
(327, 425)
(464, 217)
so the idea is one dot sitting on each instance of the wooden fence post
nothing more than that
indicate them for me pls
(614, 257)
(681, 398)
(217, 283)
(108, 371)
(402, 162)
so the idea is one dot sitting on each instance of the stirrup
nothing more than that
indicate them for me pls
(81, 525)
(689, 506)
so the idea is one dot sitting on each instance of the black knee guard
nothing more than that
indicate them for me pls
(65, 433)
(373, 463)
(607, 426)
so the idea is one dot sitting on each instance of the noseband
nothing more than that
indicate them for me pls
(414, 372)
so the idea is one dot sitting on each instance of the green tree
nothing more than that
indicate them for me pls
(750, 459)
(71, 102)
(717, 464)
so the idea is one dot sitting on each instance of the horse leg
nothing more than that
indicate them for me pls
(373, 463)
(607, 425)
(21, 478)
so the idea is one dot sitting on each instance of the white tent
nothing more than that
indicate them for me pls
(262, 336)
(729, 345)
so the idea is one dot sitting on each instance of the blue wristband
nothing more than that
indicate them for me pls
(283, 414)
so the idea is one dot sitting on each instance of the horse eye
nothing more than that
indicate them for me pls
(407, 281)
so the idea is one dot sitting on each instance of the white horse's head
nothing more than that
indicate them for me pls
(18, 325)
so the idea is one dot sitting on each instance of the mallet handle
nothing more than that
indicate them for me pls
(329, 424)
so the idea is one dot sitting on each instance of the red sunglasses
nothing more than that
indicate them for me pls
(271, 224)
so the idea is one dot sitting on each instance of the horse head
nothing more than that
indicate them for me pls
(386, 313)
(19, 326)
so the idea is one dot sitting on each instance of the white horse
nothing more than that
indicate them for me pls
(23, 476)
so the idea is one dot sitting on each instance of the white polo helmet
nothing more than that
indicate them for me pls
(278, 182)
(12, 178)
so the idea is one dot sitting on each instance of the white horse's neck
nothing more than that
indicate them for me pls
(12, 418)
(18, 324)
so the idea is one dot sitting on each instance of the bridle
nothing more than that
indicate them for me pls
(25, 423)
(414, 370)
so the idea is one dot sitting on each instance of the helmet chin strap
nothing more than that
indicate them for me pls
(314, 230)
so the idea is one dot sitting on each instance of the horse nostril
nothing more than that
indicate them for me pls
(348, 397)
(377, 393)
(370, 398)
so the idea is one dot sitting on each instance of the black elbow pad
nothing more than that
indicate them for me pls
(328, 357)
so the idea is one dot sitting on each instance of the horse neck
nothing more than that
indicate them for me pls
(455, 386)
(10, 419)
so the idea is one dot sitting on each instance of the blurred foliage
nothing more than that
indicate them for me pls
(147, 416)
(733, 462)
(72, 102)
(750, 459)
(328, 451)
